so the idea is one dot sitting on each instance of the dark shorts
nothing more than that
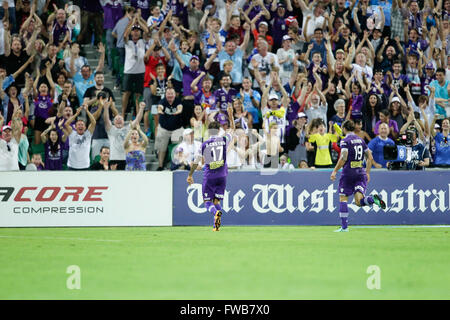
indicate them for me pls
(133, 82)
(214, 188)
(349, 185)
(40, 125)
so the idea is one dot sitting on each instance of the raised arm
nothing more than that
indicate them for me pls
(67, 125)
(139, 115)
(91, 127)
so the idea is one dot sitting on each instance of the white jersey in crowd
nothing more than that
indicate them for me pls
(265, 65)
(134, 57)
(116, 138)
(79, 150)
(9, 158)
(367, 70)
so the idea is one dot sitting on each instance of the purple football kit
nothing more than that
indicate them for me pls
(353, 177)
(214, 151)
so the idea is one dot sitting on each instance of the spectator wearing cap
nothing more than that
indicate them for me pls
(9, 143)
(398, 109)
(274, 112)
(428, 77)
(170, 126)
(279, 13)
(259, 28)
(188, 147)
(286, 56)
(296, 141)
(234, 53)
(134, 70)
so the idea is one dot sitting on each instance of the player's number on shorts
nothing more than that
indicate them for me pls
(358, 152)
(217, 153)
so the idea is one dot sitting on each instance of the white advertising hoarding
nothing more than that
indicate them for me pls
(88, 198)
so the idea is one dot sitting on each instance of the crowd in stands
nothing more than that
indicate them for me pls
(287, 70)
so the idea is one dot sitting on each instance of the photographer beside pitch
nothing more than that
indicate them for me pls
(354, 177)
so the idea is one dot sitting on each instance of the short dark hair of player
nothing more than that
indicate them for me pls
(396, 62)
(214, 125)
(442, 70)
(349, 125)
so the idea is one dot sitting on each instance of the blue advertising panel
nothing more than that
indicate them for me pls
(311, 198)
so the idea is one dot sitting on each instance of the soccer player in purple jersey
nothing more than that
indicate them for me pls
(213, 153)
(354, 177)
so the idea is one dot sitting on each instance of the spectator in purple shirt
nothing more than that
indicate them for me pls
(60, 30)
(113, 11)
(279, 13)
(384, 118)
(225, 95)
(190, 73)
(53, 147)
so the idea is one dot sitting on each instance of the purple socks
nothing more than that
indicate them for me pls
(210, 207)
(366, 201)
(343, 213)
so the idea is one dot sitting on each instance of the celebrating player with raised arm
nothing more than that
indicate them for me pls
(354, 177)
(213, 154)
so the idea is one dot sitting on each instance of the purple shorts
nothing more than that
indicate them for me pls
(349, 185)
(214, 188)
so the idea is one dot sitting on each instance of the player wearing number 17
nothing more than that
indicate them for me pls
(354, 177)
(213, 154)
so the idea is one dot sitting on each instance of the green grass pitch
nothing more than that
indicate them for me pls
(235, 263)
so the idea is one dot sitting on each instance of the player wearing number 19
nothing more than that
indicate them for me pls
(213, 154)
(354, 177)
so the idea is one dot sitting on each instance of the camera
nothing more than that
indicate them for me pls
(101, 95)
(400, 155)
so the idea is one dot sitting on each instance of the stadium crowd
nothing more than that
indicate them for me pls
(288, 70)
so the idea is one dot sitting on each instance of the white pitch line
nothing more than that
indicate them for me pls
(58, 238)
(398, 227)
